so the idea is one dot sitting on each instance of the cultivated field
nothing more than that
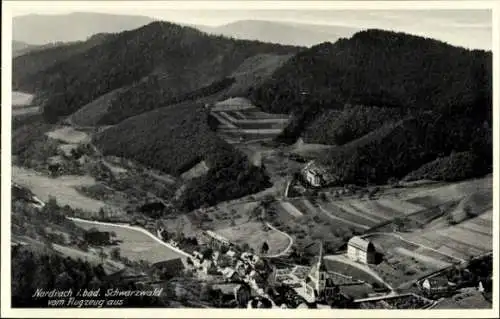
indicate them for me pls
(62, 188)
(136, 245)
(456, 233)
(239, 119)
(21, 99)
(22, 104)
(69, 135)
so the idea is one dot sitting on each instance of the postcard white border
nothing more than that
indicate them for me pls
(6, 311)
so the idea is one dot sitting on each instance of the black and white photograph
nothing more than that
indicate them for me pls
(229, 156)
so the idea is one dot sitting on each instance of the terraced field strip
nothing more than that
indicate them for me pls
(436, 263)
(257, 114)
(474, 240)
(291, 209)
(240, 115)
(400, 205)
(374, 209)
(223, 121)
(459, 249)
(299, 204)
(228, 117)
(436, 255)
(334, 215)
(476, 229)
(343, 211)
(235, 114)
(309, 205)
(356, 212)
(255, 125)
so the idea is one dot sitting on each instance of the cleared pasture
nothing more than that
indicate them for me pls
(62, 188)
(21, 99)
(69, 135)
(19, 111)
(135, 244)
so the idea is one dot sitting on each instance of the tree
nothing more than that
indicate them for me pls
(115, 253)
(265, 248)
(207, 253)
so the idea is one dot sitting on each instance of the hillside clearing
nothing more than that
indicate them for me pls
(62, 188)
(69, 135)
(136, 244)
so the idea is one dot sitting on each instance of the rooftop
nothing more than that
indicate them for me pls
(360, 243)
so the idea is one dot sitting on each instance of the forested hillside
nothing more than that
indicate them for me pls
(40, 58)
(416, 99)
(175, 138)
(181, 59)
(385, 69)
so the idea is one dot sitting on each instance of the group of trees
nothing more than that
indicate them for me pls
(176, 138)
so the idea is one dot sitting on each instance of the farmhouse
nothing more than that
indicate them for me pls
(361, 250)
(437, 286)
(315, 174)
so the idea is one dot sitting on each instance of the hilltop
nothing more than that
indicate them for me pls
(287, 33)
(44, 29)
(392, 78)
(166, 60)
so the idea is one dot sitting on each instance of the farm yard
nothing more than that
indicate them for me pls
(240, 121)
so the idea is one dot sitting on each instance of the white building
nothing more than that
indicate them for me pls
(361, 250)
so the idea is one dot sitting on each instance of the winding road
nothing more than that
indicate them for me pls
(290, 244)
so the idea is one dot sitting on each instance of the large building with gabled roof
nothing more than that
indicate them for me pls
(361, 250)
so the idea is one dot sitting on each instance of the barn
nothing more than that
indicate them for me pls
(361, 250)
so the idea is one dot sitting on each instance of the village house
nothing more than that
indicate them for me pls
(361, 250)
(437, 287)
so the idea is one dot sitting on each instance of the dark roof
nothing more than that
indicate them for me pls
(438, 281)
(175, 263)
